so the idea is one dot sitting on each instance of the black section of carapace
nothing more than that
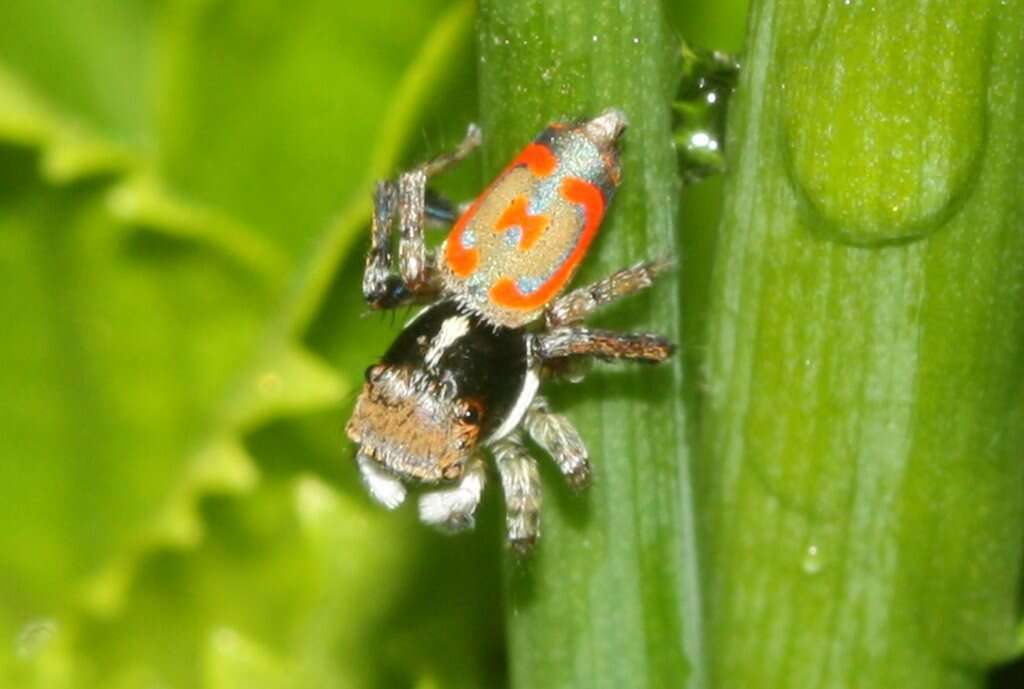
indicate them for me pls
(487, 364)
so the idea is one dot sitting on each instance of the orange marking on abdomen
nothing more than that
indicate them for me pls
(539, 158)
(506, 293)
(515, 215)
(462, 261)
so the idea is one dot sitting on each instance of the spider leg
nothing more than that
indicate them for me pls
(452, 509)
(413, 261)
(574, 306)
(408, 199)
(438, 210)
(574, 341)
(382, 485)
(520, 480)
(380, 287)
(559, 438)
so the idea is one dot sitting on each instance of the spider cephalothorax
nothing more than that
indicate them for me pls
(463, 374)
(447, 382)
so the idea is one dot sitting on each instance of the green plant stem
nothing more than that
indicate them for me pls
(863, 427)
(610, 597)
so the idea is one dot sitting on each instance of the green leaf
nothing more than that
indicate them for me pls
(158, 392)
(864, 422)
(71, 152)
(90, 59)
(235, 662)
(123, 346)
(285, 100)
(610, 598)
(280, 98)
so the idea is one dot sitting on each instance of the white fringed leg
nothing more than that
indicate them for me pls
(382, 485)
(452, 509)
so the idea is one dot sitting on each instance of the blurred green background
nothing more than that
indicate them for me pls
(184, 192)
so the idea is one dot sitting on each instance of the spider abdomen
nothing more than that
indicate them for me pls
(519, 244)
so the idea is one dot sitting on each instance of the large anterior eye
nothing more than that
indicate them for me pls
(472, 412)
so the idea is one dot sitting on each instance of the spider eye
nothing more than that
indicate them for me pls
(371, 373)
(471, 414)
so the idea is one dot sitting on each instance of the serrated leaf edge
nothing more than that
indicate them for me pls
(258, 398)
(70, 153)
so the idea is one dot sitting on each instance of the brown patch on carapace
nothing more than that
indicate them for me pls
(411, 425)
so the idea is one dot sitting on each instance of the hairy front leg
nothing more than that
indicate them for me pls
(557, 436)
(414, 262)
(408, 199)
(520, 481)
(381, 288)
